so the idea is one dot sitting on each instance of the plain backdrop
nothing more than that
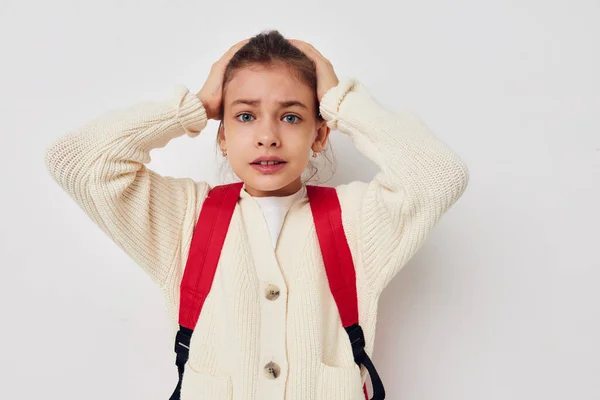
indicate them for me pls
(502, 301)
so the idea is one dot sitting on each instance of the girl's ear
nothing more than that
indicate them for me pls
(321, 139)
(221, 137)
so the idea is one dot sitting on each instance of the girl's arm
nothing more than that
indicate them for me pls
(419, 179)
(101, 166)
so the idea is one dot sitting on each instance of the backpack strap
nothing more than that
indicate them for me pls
(205, 251)
(339, 266)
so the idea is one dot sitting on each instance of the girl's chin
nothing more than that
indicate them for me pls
(272, 185)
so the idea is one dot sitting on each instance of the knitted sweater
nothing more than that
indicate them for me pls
(242, 336)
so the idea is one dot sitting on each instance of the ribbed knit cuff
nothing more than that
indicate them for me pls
(333, 98)
(190, 111)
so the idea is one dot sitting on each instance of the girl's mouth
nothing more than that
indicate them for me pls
(268, 167)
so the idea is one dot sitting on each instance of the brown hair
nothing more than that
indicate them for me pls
(270, 49)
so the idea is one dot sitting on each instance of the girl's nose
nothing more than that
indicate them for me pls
(268, 137)
(268, 142)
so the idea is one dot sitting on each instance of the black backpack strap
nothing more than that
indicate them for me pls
(357, 339)
(182, 350)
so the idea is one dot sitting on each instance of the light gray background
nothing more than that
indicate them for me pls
(502, 302)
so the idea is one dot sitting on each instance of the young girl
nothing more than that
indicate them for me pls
(270, 328)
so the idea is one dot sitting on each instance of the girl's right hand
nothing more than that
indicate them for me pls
(211, 93)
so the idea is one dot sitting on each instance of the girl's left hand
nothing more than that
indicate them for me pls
(326, 77)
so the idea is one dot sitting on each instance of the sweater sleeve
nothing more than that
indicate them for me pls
(419, 179)
(101, 166)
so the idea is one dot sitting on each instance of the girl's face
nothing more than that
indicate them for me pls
(269, 117)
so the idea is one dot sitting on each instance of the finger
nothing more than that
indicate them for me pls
(313, 48)
(305, 45)
(300, 44)
(239, 45)
(233, 49)
(310, 50)
(304, 48)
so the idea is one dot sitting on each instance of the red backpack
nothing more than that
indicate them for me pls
(205, 250)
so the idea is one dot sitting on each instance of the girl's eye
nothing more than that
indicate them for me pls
(293, 116)
(243, 114)
(246, 117)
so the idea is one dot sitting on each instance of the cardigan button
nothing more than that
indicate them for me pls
(272, 292)
(272, 370)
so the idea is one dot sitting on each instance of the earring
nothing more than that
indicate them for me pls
(224, 153)
(315, 154)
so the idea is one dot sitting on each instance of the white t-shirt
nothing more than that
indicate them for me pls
(275, 208)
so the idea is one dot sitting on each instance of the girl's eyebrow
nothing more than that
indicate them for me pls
(283, 104)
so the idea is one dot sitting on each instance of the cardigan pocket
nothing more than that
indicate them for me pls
(339, 383)
(200, 386)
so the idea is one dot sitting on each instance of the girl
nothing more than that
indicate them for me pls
(270, 328)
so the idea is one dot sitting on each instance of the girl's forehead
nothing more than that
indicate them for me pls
(273, 83)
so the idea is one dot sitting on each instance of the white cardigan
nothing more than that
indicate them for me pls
(241, 331)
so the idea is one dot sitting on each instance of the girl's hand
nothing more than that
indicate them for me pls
(211, 93)
(326, 77)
